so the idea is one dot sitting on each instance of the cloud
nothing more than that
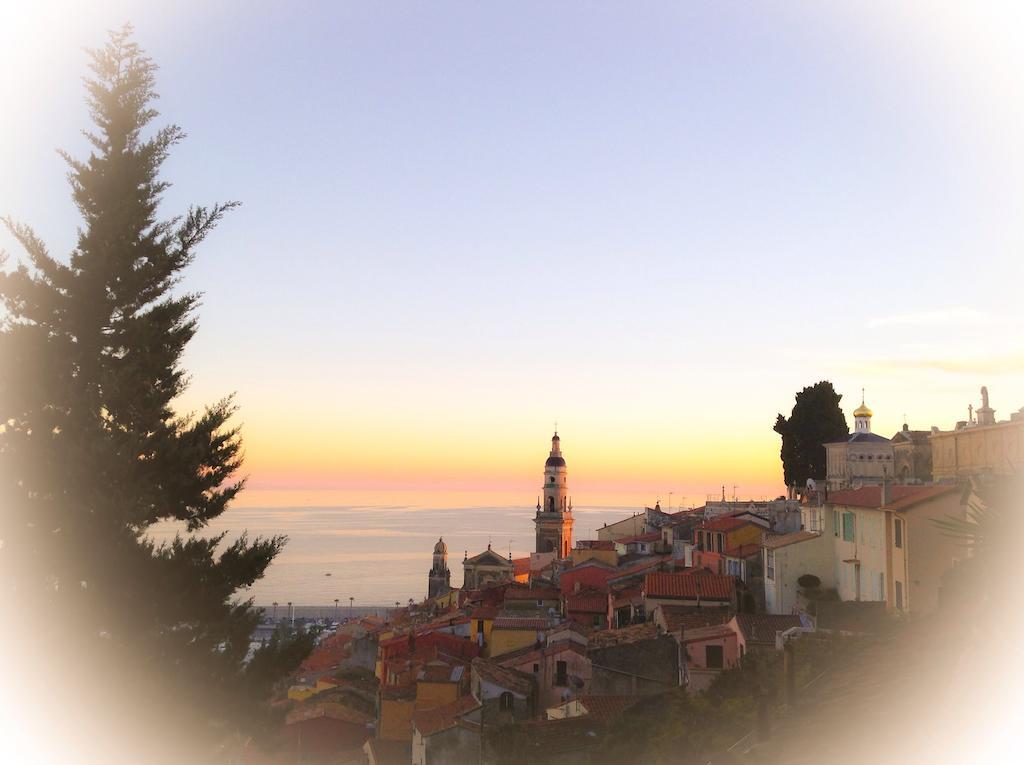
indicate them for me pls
(942, 317)
(1012, 363)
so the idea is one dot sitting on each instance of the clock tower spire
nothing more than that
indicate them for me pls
(554, 517)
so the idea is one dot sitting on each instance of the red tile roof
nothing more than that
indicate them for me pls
(653, 536)
(595, 544)
(761, 628)
(632, 634)
(706, 586)
(504, 676)
(900, 497)
(592, 604)
(441, 673)
(520, 623)
(431, 721)
(532, 593)
(688, 617)
(484, 612)
(607, 709)
(332, 711)
(725, 523)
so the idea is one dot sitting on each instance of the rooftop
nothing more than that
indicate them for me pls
(589, 603)
(431, 721)
(761, 628)
(631, 634)
(706, 586)
(505, 677)
(900, 497)
(775, 541)
(689, 617)
(521, 623)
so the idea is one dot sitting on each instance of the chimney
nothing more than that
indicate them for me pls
(885, 488)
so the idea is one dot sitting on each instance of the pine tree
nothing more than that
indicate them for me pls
(816, 420)
(93, 453)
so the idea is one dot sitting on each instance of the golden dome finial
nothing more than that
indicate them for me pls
(862, 410)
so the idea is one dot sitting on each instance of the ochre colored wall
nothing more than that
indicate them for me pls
(503, 641)
(430, 695)
(396, 719)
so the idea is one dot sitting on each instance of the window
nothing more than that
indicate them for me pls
(835, 522)
(714, 657)
(561, 673)
(536, 668)
(899, 596)
(897, 533)
(881, 587)
(769, 563)
(505, 701)
(849, 531)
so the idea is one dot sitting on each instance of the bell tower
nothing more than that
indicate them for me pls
(554, 515)
(439, 578)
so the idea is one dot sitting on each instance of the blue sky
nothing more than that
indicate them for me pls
(651, 221)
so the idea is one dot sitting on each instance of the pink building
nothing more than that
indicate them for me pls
(708, 651)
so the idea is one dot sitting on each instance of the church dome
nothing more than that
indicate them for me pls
(440, 548)
(862, 411)
(553, 461)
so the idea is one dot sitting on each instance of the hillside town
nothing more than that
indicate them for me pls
(541, 655)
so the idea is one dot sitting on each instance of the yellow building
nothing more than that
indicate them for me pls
(601, 550)
(301, 692)
(511, 633)
(481, 623)
(439, 683)
(397, 706)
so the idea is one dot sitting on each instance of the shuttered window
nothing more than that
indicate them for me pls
(849, 532)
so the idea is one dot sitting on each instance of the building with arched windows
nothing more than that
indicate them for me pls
(865, 458)
(554, 516)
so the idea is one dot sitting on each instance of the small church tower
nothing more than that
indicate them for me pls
(554, 516)
(862, 416)
(439, 579)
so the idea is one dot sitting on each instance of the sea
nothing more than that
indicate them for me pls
(377, 555)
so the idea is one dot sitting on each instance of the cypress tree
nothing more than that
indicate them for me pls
(93, 453)
(816, 420)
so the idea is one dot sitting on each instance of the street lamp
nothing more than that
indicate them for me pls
(335, 610)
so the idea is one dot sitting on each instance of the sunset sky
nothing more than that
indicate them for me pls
(651, 222)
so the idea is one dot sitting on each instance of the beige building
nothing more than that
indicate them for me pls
(486, 568)
(979, 445)
(864, 458)
(912, 455)
(888, 546)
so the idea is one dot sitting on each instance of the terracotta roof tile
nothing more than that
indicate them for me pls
(607, 709)
(506, 677)
(689, 586)
(632, 634)
(332, 711)
(761, 628)
(521, 623)
(900, 497)
(593, 604)
(653, 536)
(431, 721)
(689, 617)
